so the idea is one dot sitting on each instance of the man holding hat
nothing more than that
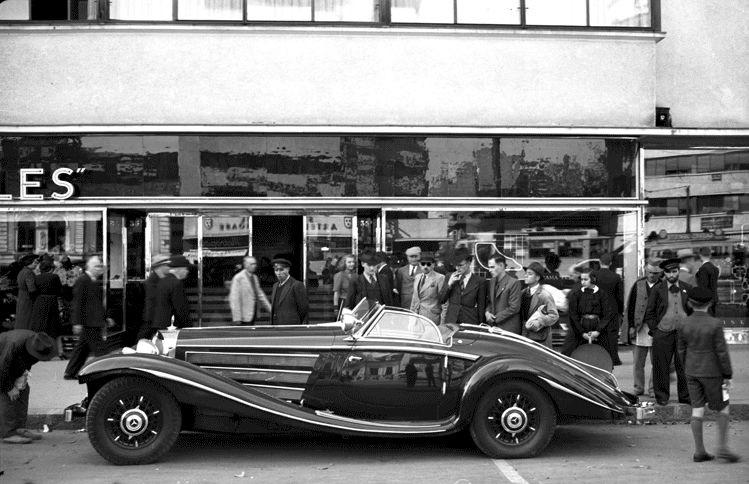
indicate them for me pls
(707, 365)
(366, 285)
(159, 269)
(639, 296)
(170, 297)
(26, 291)
(427, 287)
(289, 303)
(666, 312)
(405, 276)
(19, 350)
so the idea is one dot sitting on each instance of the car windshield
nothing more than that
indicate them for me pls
(398, 324)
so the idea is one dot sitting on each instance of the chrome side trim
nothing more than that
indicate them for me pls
(357, 347)
(391, 340)
(269, 370)
(353, 420)
(302, 355)
(433, 351)
(297, 389)
(184, 381)
(567, 390)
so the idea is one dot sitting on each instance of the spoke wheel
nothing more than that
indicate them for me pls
(513, 419)
(133, 421)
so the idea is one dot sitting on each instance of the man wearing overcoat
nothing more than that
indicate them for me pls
(503, 298)
(365, 285)
(171, 299)
(707, 277)
(289, 303)
(464, 293)
(612, 288)
(26, 291)
(405, 276)
(666, 312)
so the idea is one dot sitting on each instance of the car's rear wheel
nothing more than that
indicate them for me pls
(133, 421)
(513, 419)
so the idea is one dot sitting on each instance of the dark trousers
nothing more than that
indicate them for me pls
(90, 342)
(664, 350)
(13, 413)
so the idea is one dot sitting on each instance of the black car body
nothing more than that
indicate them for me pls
(380, 372)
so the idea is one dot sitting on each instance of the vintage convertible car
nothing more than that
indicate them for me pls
(379, 371)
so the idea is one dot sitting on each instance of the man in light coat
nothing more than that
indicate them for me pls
(427, 287)
(405, 276)
(245, 295)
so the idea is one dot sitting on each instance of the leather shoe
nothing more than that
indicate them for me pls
(703, 457)
(28, 434)
(69, 377)
(16, 439)
(727, 456)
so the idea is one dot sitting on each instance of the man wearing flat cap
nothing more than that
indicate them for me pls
(27, 291)
(707, 365)
(405, 276)
(19, 350)
(289, 303)
(366, 285)
(171, 299)
(666, 312)
(159, 269)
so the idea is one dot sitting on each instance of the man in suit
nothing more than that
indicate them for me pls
(707, 365)
(386, 279)
(171, 299)
(26, 291)
(707, 277)
(404, 276)
(159, 269)
(464, 293)
(503, 298)
(245, 295)
(427, 287)
(87, 316)
(666, 311)
(365, 285)
(612, 288)
(289, 303)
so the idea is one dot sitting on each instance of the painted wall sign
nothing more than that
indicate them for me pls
(31, 181)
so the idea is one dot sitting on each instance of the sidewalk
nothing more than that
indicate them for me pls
(50, 393)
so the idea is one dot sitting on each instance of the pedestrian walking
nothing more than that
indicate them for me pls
(503, 297)
(45, 312)
(27, 291)
(20, 349)
(365, 285)
(464, 293)
(707, 277)
(342, 281)
(87, 316)
(613, 289)
(537, 308)
(171, 300)
(246, 296)
(707, 365)
(159, 269)
(590, 312)
(637, 303)
(666, 311)
(289, 303)
(425, 299)
(405, 276)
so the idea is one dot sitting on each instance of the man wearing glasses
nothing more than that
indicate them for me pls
(406, 275)
(427, 287)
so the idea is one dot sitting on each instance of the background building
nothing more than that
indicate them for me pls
(318, 128)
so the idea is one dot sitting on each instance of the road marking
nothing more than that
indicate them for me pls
(509, 472)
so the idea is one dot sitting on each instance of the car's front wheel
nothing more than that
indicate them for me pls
(513, 419)
(133, 421)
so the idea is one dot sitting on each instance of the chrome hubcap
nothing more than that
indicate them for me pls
(134, 422)
(514, 419)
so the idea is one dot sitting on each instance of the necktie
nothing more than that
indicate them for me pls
(674, 288)
(421, 284)
(412, 270)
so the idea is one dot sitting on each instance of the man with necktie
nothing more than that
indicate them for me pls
(503, 298)
(405, 276)
(365, 286)
(666, 312)
(427, 287)
(464, 293)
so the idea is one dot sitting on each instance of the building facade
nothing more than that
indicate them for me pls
(313, 129)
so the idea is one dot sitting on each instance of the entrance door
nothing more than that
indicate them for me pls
(125, 270)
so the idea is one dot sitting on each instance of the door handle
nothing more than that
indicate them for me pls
(354, 359)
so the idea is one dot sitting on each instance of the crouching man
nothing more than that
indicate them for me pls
(707, 366)
(19, 350)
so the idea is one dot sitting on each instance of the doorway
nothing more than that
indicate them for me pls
(275, 236)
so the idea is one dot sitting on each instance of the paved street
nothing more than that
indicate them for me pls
(578, 453)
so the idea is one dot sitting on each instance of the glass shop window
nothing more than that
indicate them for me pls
(49, 10)
(154, 10)
(620, 13)
(211, 10)
(555, 12)
(346, 11)
(422, 11)
(497, 12)
(280, 10)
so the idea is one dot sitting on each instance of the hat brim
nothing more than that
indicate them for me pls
(38, 354)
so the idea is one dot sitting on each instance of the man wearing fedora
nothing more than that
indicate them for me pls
(405, 276)
(159, 269)
(707, 365)
(171, 299)
(19, 350)
(427, 287)
(666, 312)
(464, 293)
(26, 291)
(366, 286)
(289, 303)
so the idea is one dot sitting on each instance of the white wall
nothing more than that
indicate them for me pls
(703, 63)
(324, 76)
